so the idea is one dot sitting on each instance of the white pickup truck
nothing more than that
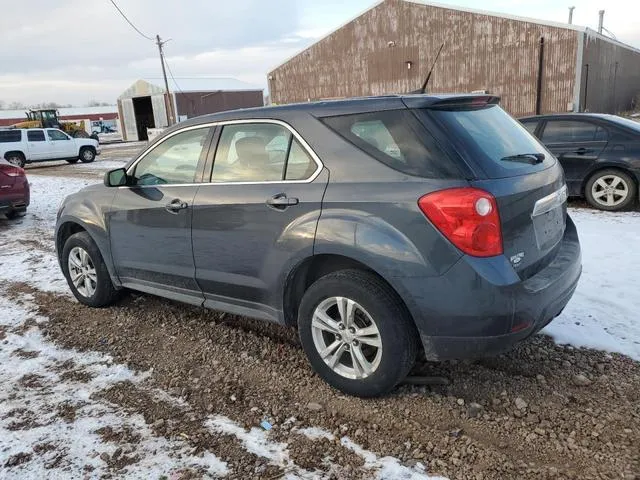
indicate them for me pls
(25, 145)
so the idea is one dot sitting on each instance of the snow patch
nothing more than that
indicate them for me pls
(602, 313)
(34, 393)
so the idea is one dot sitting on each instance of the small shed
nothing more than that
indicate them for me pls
(145, 105)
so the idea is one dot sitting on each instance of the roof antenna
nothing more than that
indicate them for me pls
(423, 89)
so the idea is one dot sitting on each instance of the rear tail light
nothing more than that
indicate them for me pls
(11, 170)
(468, 217)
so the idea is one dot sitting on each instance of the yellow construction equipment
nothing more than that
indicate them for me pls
(48, 118)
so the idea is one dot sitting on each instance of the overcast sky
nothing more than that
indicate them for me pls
(72, 51)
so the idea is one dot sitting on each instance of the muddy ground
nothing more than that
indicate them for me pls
(541, 411)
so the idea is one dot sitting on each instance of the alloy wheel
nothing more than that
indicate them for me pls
(82, 272)
(610, 190)
(346, 337)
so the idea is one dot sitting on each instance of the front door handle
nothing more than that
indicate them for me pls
(281, 201)
(176, 205)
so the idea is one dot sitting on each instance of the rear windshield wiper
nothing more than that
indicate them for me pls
(533, 158)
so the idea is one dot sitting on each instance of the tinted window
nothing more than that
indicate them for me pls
(491, 137)
(561, 131)
(173, 161)
(625, 122)
(260, 152)
(531, 126)
(7, 136)
(35, 135)
(601, 134)
(398, 140)
(299, 165)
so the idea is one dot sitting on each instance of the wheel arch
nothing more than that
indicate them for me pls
(9, 152)
(306, 272)
(70, 226)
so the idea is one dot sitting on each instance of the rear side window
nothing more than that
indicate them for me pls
(531, 126)
(35, 136)
(567, 131)
(490, 137)
(7, 136)
(397, 139)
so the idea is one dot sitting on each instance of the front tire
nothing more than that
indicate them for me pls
(87, 154)
(86, 273)
(610, 190)
(356, 332)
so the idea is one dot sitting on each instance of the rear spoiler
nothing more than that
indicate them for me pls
(450, 101)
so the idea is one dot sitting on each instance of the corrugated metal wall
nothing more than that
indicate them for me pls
(482, 52)
(193, 104)
(613, 75)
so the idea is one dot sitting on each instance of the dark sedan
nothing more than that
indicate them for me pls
(600, 155)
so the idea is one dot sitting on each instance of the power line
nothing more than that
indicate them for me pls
(172, 77)
(129, 21)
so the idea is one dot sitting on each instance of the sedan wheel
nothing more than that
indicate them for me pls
(610, 190)
(82, 272)
(346, 337)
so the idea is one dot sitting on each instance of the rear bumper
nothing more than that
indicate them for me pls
(15, 201)
(480, 307)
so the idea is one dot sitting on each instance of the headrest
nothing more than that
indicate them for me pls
(248, 147)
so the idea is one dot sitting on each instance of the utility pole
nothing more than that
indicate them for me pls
(170, 112)
(571, 9)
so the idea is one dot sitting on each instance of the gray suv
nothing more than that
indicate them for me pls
(378, 227)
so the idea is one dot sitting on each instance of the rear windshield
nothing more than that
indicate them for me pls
(397, 139)
(7, 136)
(490, 138)
(625, 122)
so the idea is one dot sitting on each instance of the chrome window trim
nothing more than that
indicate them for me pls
(305, 146)
(551, 201)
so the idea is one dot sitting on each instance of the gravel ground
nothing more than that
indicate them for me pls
(541, 411)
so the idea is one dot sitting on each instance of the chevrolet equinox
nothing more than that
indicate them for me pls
(378, 227)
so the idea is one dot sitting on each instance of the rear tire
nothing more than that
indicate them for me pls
(611, 190)
(93, 285)
(371, 350)
(16, 159)
(87, 154)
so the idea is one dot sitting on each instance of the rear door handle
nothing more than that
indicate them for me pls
(281, 201)
(176, 205)
(582, 151)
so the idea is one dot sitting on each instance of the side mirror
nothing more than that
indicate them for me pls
(115, 178)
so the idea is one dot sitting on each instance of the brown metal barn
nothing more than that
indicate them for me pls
(535, 66)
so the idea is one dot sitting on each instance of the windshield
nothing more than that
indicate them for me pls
(490, 138)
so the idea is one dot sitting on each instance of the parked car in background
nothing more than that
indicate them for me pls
(377, 226)
(20, 146)
(14, 190)
(600, 155)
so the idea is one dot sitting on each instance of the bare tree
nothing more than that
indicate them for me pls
(16, 106)
(2, 104)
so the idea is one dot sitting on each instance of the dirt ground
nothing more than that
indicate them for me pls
(541, 411)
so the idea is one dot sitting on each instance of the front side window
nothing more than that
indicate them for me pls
(56, 135)
(568, 131)
(173, 161)
(35, 136)
(260, 152)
